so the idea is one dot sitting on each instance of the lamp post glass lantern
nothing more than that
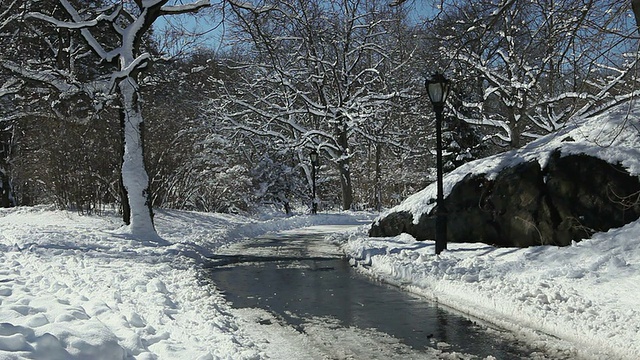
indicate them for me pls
(313, 156)
(438, 89)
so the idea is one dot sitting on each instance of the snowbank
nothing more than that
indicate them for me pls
(585, 295)
(72, 287)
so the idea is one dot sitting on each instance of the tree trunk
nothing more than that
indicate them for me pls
(344, 167)
(345, 183)
(124, 197)
(6, 197)
(516, 125)
(135, 180)
(378, 179)
(6, 190)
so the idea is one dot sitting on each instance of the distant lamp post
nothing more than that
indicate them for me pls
(438, 88)
(314, 164)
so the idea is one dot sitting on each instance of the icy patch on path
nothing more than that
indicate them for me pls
(324, 338)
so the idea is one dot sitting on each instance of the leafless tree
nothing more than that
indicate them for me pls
(129, 22)
(523, 68)
(318, 71)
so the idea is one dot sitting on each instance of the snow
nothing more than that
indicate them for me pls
(75, 287)
(585, 295)
(179, 9)
(72, 287)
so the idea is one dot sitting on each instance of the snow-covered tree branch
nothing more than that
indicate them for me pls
(525, 68)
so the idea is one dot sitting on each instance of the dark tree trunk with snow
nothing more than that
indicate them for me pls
(124, 197)
(6, 190)
(344, 166)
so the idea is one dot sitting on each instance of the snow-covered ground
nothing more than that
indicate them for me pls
(73, 287)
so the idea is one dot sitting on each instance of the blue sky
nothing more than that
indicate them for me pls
(212, 30)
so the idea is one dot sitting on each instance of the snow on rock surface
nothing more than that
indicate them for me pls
(75, 287)
(613, 136)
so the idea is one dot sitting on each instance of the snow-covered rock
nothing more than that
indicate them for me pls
(561, 188)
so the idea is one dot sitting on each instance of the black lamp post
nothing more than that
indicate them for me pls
(314, 164)
(438, 89)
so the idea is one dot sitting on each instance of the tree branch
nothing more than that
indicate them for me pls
(183, 9)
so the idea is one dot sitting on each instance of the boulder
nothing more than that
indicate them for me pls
(569, 199)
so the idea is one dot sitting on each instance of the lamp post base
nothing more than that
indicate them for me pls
(441, 233)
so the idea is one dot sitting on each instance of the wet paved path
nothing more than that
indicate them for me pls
(299, 275)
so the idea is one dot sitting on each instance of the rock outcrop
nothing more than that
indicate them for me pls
(569, 199)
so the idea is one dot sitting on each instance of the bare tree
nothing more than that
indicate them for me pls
(130, 23)
(318, 71)
(523, 68)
